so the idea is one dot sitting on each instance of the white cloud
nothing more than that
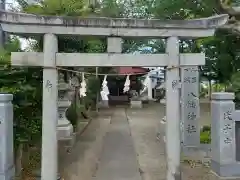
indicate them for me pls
(11, 3)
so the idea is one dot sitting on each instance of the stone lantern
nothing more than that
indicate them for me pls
(65, 128)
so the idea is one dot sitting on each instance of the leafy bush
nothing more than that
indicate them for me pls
(26, 87)
(93, 87)
(73, 113)
(205, 135)
(206, 128)
(80, 106)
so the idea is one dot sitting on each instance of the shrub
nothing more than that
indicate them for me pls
(205, 135)
(206, 128)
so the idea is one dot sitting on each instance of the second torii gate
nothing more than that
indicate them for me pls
(114, 30)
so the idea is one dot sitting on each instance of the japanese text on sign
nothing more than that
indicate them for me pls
(191, 104)
(227, 140)
(227, 115)
(226, 128)
(192, 116)
(191, 129)
(190, 80)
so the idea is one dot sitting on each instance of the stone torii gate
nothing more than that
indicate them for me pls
(114, 30)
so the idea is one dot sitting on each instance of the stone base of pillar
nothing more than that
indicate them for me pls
(150, 98)
(136, 104)
(163, 101)
(65, 129)
(37, 175)
(198, 154)
(225, 171)
(144, 99)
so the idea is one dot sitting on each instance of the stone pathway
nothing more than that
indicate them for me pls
(118, 160)
(144, 126)
(80, 163)
(124, 146)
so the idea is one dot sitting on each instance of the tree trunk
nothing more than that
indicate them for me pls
(18, 160)
(210, 89)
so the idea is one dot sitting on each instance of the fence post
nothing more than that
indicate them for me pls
(7, 169)
(223, 145)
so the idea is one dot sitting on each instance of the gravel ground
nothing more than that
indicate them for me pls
(145, 125)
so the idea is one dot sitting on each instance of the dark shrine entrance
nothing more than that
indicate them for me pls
(116, 86)
(116, 94)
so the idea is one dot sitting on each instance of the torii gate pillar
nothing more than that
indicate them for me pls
(50, 114)
(173, 138)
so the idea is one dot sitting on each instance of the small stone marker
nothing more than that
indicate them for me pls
(223, 145)
(190, 107)
(7, 170)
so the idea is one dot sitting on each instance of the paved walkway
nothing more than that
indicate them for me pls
(118, 146)
(122, 145)
(145, 124)
(80, 163)
(118, 160)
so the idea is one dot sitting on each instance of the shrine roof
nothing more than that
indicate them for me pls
(131, 70)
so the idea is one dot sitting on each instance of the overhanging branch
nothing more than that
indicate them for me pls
(227, 8)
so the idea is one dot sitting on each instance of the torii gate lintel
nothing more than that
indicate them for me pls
(105, 59)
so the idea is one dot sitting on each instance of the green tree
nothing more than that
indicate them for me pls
(25, 85)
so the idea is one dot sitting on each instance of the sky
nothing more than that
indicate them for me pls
(13, 3)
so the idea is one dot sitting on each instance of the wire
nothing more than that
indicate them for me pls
(113, 74)
(100, 74)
